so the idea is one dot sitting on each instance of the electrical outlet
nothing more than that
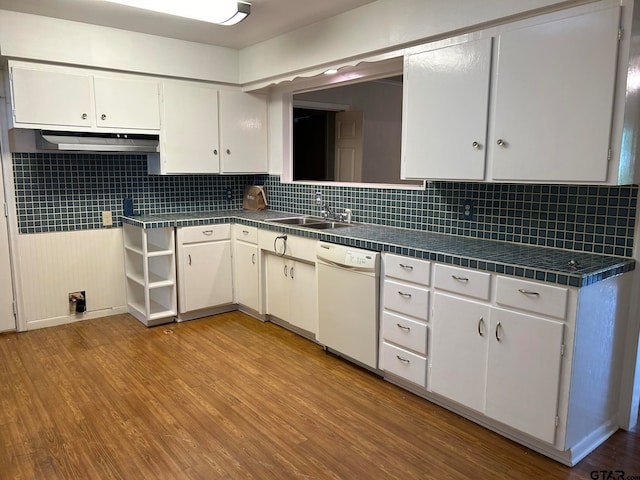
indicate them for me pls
(318, 198)
(107, 218)
(467, 212)
(229, 194)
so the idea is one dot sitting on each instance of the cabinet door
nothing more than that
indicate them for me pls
(278, 286)
(127, 103)
(304, 297)
(446, 95)
(554, 99)
(523, 372)
(247, 281)
(51, 98)
(189, 129)
(459, 350)
(207, 275)
(243, 132)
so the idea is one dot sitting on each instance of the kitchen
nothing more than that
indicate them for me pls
(46, 270)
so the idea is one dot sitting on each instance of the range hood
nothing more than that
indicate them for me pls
(96, 142)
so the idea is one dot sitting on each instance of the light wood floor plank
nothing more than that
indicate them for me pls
(230, 397)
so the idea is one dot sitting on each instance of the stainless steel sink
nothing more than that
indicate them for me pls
(297, 220)
(317, 223)
(327, 224)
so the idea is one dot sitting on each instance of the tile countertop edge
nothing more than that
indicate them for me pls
(371, 237)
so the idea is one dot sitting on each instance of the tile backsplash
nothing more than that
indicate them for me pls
(59, 192)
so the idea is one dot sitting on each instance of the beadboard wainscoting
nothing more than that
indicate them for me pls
(53, 265)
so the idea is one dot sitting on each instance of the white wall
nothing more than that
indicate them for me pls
(377, 27)
(56, 264)
(53, 40)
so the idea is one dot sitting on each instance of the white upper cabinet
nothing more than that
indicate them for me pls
(126, 103)
(539, 109)
(51, 98)
(446, 100)
(61, 98)
(243, 132)
(554, 99)
(189, 134)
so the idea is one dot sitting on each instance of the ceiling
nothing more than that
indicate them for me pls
(268, 19)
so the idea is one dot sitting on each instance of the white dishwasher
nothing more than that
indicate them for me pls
(348, 281)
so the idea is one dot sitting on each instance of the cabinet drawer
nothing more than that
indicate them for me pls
(532, 296)
(460, 280)
(405, 332)
(407, 269)
(408, 299)
(405, 364)
(245, 233)
(204, 233)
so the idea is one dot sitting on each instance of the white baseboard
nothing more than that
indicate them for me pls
(62, 320)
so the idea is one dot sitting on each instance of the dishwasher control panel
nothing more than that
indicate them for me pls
(348, 257)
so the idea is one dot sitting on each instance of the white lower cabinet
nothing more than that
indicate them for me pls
(459, 350)
(247, 267)
(204, 267)
(523, 372)
(291, 291)
(404, 330)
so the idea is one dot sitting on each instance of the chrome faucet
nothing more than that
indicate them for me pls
(327, 212)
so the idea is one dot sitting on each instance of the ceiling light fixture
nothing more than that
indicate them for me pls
(221, 12)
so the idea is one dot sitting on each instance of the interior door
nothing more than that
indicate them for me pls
(349, 140)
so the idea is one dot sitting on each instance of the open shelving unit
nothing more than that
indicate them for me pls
(151, 274)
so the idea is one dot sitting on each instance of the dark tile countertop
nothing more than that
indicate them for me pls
(550, 265)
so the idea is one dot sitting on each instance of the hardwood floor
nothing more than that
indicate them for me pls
(230, 397)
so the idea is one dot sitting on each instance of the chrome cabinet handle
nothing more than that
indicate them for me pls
(498, 328)
(481, 327)
(253, 258)
(189, 259)
(403, 327)
(501, 143)
(476, 145)
(228, 152)
(286, 272)
(528, 292)
(245, 232)
(208, 233)
(215, 151)
(84, 116)
(459, 278)
(404, 295)
(406, 267)
(291, 272)
(402, 359)
(103, 116)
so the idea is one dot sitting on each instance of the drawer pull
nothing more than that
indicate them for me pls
(403, 327)
(208, 233)
(245, 232)
(459, 278)
(404, 295)
(402, 359)
(406, 267)
(481, 327)
(528, 292)
(498, 329)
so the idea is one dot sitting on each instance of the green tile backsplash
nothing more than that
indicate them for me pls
(59, 192)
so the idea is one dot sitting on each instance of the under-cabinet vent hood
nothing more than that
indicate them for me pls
(96, 142)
